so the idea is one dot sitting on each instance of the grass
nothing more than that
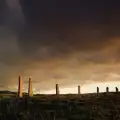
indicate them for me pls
(104, 106)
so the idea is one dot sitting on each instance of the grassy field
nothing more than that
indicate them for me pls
(103, 106)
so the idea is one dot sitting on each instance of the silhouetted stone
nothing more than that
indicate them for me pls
(78, 90)
(97, 90)
(107, 89)
(57, 89)
(116, 89)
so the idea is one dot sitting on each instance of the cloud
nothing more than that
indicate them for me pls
(59, 49)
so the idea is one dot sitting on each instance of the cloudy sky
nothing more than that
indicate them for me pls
(59, 41)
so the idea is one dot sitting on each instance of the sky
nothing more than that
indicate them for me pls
(59, 41)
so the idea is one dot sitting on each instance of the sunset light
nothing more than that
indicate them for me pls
(88, 88)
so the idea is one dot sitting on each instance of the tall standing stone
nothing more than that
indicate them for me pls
(57, 89)
(20, 86)
(97, 90)
(30, 91)
(78, 90)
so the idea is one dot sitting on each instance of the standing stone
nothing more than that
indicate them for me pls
(57, 89)
(78, 90)
(116, 89)
(20, 86)
(97, 90)
(107, 89)
(30, 91)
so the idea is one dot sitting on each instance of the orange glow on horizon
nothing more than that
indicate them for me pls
(88, 88)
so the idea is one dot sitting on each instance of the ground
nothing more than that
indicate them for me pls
(102, 106)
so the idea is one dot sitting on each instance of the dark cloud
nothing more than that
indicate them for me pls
(64, 26)
(58, 41)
